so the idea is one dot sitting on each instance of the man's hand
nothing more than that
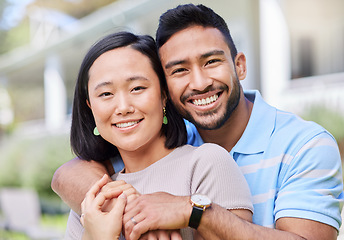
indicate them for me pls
(156, 211)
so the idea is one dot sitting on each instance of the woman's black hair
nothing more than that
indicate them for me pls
(84, 143)
(187, 15)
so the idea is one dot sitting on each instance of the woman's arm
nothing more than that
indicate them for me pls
(73, 179)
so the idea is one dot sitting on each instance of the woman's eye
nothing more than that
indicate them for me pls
(105, 94)
(136, 89)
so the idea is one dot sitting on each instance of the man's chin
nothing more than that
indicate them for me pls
(207, 124)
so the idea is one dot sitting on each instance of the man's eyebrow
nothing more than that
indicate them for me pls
(203, 56)
(173, 63)
(212, 53)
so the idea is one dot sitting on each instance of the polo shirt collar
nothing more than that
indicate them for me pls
(260, 127)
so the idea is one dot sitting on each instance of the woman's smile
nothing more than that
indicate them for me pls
(127, 124)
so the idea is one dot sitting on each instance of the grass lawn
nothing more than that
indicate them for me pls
(55, 221)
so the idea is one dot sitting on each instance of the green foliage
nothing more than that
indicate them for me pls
(32, 162)
(7, 235)
(76, 9)
(331, 120)
(16, 37)
(54, 221)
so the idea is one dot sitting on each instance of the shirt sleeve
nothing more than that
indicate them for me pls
(193, 137)
(312, 185)
(74, 230)
(216, 175)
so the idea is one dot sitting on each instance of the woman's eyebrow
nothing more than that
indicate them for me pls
(134, 78)
(102, 84)
(130, 79)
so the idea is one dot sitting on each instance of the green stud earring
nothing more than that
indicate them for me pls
(96, 132)
(164, 120)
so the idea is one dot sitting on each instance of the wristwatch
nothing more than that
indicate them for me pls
(199, 204)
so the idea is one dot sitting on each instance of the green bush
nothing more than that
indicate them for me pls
(332, 120)
(32, 162)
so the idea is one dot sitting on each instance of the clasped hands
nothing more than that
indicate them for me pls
(110, 207)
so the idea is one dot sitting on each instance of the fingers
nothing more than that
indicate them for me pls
(161, 235)
(175, 235)
(133, 231)
(113, 184)
(120, 186)
(98, 185)
(118, 210)
(91, 194)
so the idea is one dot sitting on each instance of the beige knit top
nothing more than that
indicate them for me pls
(208, 169)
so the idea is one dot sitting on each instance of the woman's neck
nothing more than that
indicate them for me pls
(143, 157)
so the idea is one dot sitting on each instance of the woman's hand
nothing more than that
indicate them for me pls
(115, 186)
(97, 223)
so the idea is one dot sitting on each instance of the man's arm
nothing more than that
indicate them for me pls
(73, 179)
(165, 211)
(222, 224)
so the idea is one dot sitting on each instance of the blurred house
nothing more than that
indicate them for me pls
(294, 49)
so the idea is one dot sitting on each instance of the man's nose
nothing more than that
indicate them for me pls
(199, 80)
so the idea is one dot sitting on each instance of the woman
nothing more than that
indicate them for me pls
(122, 108)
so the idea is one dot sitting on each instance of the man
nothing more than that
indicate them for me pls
(293, 167)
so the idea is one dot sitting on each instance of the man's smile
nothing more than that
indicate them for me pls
(205, 101)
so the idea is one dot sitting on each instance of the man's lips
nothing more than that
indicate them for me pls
(205, 101)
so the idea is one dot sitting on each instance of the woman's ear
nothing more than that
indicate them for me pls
(88, 104)
(240, 66)
(164, 99)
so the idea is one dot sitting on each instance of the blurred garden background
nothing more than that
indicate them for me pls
(294, 49)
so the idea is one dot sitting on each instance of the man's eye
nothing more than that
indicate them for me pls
(179, 70)
(212, 61)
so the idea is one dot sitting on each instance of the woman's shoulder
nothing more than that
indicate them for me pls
(212, 149)
(212, 146)
(207, 152)
(203, 147)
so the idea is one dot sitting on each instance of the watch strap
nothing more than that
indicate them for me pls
(195, 217)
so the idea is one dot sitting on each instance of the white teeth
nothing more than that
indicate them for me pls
(205, 101)
(127, 124)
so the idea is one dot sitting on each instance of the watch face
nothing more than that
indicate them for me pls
(200, 200)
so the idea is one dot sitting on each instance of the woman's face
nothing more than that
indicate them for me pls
(125, 98)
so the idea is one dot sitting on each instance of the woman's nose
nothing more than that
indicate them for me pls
(123, 105)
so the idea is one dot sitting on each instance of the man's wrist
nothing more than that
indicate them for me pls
(187, 211)
(199, 204)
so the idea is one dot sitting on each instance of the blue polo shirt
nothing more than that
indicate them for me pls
(293, 167)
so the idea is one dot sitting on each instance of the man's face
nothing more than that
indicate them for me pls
(201, 76)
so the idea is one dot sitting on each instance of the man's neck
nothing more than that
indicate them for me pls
(230, 133)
